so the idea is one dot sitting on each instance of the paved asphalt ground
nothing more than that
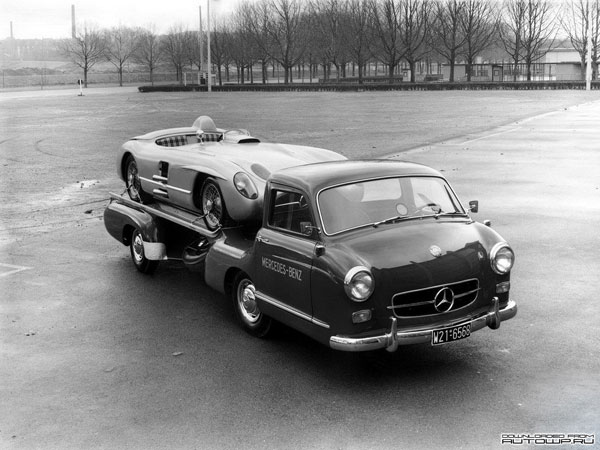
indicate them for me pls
(95, 355)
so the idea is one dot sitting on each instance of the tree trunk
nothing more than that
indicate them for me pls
(391, 73)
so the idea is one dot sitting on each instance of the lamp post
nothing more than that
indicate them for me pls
(200, 44)
(588, 71)
(208, 44)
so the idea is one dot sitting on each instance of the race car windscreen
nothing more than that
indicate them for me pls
(382, 201)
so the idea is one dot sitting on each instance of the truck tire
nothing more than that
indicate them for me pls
(246, 309)
(141, 263)
(133, 183)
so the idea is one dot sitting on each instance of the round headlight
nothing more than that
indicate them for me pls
(502, 258)
(245, 185)
(359, 284)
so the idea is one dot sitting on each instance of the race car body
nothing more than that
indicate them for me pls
(216, 172)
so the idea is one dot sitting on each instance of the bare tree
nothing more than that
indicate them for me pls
(480, 25)
(86, 49)
(121, 45)
(358, 33)
(330, 25)
(255, 18)
(528, 32)
(448, 32)
(281, 29)
(220, 47)
(176, 47)
(386, 28)
(149, 52)
(540, 32)
(576, 22)
(242, 47)
(511, 31)
(415, 21)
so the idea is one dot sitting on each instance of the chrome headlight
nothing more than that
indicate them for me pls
(502, 258)
(245, 186)
(359, 284)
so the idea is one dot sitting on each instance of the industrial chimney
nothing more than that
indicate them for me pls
(73, 28)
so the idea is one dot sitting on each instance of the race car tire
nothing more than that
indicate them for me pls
(136, 246)
(133, 183)
(246, 309)
(213, 205)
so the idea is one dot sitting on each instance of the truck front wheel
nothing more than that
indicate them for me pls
(246, 307)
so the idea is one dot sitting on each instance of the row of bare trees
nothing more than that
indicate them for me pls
(341, 34)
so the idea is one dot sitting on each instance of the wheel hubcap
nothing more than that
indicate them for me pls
(133, 181)
(247, 302)
(138, 248)
(212, 205)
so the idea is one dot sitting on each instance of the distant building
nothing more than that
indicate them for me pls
(560, 64)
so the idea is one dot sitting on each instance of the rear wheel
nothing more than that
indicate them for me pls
(246, 307)
(136, 246)
(133, 183)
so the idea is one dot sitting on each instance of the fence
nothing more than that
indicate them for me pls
(569, 79)
(42, 80)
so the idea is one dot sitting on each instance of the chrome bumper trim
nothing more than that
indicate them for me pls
(392, 339)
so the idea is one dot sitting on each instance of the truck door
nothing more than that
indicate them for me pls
(285, 248)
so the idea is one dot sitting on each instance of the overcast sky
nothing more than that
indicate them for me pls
(36, 19)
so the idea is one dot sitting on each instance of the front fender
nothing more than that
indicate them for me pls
(238, 207)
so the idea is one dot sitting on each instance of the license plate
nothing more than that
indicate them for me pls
(450, 334)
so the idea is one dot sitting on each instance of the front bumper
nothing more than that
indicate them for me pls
(391, 340)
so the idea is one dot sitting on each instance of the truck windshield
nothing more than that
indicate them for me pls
(384, 201)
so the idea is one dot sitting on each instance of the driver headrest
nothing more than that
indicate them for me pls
(205, 124)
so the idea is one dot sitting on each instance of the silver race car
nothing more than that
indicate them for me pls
(218, 173)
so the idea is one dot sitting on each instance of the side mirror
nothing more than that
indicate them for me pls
(474, 206)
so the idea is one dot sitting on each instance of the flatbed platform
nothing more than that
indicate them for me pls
(176, 215)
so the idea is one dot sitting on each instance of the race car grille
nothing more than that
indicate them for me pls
(436, 299)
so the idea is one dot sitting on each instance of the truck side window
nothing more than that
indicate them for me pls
(290, 211)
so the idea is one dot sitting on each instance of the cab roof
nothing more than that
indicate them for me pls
(314, 177)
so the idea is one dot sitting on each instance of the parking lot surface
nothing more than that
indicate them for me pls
(96, 355)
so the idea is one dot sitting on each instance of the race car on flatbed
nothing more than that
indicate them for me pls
(359, 255)
(217, 172)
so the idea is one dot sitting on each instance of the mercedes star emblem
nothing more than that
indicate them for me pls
(435, 251)
(444, 300)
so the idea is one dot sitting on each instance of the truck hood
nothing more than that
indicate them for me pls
(406, 254)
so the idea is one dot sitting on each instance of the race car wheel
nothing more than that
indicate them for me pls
(136, 245)
(133, 183)
(213, 205)
(246, 307)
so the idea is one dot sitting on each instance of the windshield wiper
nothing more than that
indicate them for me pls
(451, 214)
(389, 220)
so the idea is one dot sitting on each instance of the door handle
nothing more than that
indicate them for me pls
(259, 238)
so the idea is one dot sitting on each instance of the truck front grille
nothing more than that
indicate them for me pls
(435, 299)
